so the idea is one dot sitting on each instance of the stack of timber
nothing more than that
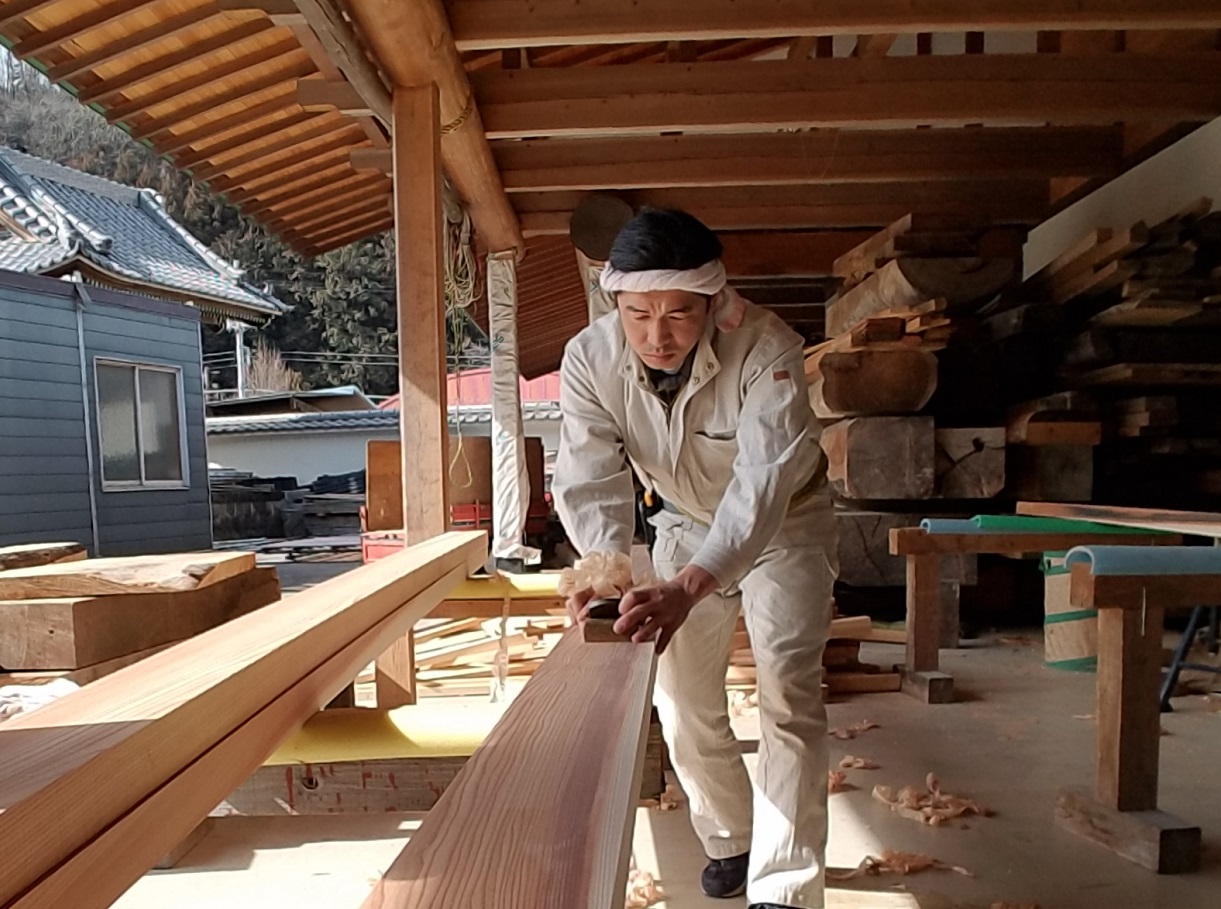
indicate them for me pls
(1113, 358)
(86, 617)
(886, 386)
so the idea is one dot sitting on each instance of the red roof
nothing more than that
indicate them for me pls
(474, 386)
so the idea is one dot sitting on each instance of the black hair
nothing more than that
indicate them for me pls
(664, 239)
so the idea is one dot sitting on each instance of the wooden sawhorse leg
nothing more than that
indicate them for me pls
(921, 675)
(1122, 814)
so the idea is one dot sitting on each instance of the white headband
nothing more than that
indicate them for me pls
(727, 307)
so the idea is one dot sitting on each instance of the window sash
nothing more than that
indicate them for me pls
(141, 451)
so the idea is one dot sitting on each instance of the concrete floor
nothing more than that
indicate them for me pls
(1014, 737)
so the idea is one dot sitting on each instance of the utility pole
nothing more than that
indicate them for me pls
(239, 334)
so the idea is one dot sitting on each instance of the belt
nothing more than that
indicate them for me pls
(817, 480)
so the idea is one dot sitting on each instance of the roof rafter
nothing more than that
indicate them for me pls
(283, 169)
(262, 131)
(297, 204)
(74, 27)
(490, 24)
(327, 126)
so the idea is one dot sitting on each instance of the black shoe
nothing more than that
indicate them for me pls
(725, 878)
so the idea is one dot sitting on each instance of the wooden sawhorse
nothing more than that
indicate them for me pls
(1132, 589)
(996, 534)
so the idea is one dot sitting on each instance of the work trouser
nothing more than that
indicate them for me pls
(786, 599)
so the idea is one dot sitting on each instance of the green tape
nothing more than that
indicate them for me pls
(1075, 615)
(1031, 524)
(1081, 664)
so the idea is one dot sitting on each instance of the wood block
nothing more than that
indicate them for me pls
(929, 686)
(133, 575)
(601, 631)
(1152, 839)
(969, 463)
(869, 381)
(30, 555)
(72, 633)
(862, 682)
(880, 457)
(863, 543)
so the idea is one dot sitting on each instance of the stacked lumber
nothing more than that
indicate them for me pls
(90, 616)
(1113, 354)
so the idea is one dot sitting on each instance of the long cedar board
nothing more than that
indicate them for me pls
(131, 575)
(98, 873)
(72, 633)
(1188, 523)
(540, 817)
(909, 541)
(29, 555)
(139, 728)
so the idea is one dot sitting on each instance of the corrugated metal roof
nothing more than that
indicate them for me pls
(364, 420)
(64, 214)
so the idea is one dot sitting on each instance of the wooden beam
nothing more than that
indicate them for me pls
(128, 575)
(338, 146)
(298, 189)
(297, 204)
(413, 45)
(594, 702)
(288, 72)
(339, 38)
(801, 48)
(30, 555)
(317, 248)
(170, 143)
(490, 24)
(353, 227)
(146, 731)
(792, 254)
(336, 213)
(997, 89)
(103, 91)
(378, 159)
(321, 95)
(312, 218)
(136, 41)
(19, 9)
(321, 128)
(846, 156)
(281, 12)
(73, 28)
(254, 136)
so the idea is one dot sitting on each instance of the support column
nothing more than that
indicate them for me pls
(510, 478)
(598, 300)
(921, 676)
(423, 414)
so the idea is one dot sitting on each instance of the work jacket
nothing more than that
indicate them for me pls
(738, 443)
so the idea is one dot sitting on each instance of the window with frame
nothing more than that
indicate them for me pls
(141, 425)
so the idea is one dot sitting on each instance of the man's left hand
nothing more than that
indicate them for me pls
(657, 611)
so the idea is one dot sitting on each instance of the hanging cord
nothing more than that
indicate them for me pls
(462, 289)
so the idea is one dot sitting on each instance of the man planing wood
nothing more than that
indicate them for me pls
(704, 396)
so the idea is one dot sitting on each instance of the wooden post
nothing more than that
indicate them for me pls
(921, 677)
(1129, 723)
(423, 414)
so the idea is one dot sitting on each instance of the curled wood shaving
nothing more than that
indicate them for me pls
(893, 862)
(607, 574)
(851, 732)
(671, 799)
(837, 781)
(642, 890)
(742, 703)
(857, 763)
(932, 807)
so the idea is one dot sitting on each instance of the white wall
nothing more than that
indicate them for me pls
(1150, 192)
(309, 455)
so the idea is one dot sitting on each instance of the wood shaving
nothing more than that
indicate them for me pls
(1084, 716)
(837, 781)
(893, 862)
(851, 732)
(671, 799)
(642, 890)
(857, 763)
(607, 574)
(742, 703)
(932, 807)
(1016, 640)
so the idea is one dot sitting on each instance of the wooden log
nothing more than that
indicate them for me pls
(176, 730)
(1051, 473)
(880, 457)
(519, 791)
(30, 555)
(132, 575)
(80, 632)
(865, 559)
(870, 382)
(969, 463)
(903, 284)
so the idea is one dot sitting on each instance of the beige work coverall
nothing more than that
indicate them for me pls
(737, 458)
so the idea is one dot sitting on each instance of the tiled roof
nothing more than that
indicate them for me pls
(63, 214)
(361, 420)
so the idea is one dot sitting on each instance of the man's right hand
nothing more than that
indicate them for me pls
(577, 603)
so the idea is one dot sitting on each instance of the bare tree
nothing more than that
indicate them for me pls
(269, 373)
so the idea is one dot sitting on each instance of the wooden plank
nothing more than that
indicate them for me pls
(518, 790)
(1057, 432)
(169, 143)
(492, 24)
(862, 682)
(1198, 523)
(129, 575)
(31, 555)
(1152, 839)
(75, 633)
(274, 144)
(337, 36)
(383, 485)
(73, 28)
(923, 612)
(1137, 591)
(915, 541)
(172, 736)
(1155, 374)
(492, 609)
(136, 41)
(992, 89)
(878, 45)
(1129, 720)
(324, 95)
